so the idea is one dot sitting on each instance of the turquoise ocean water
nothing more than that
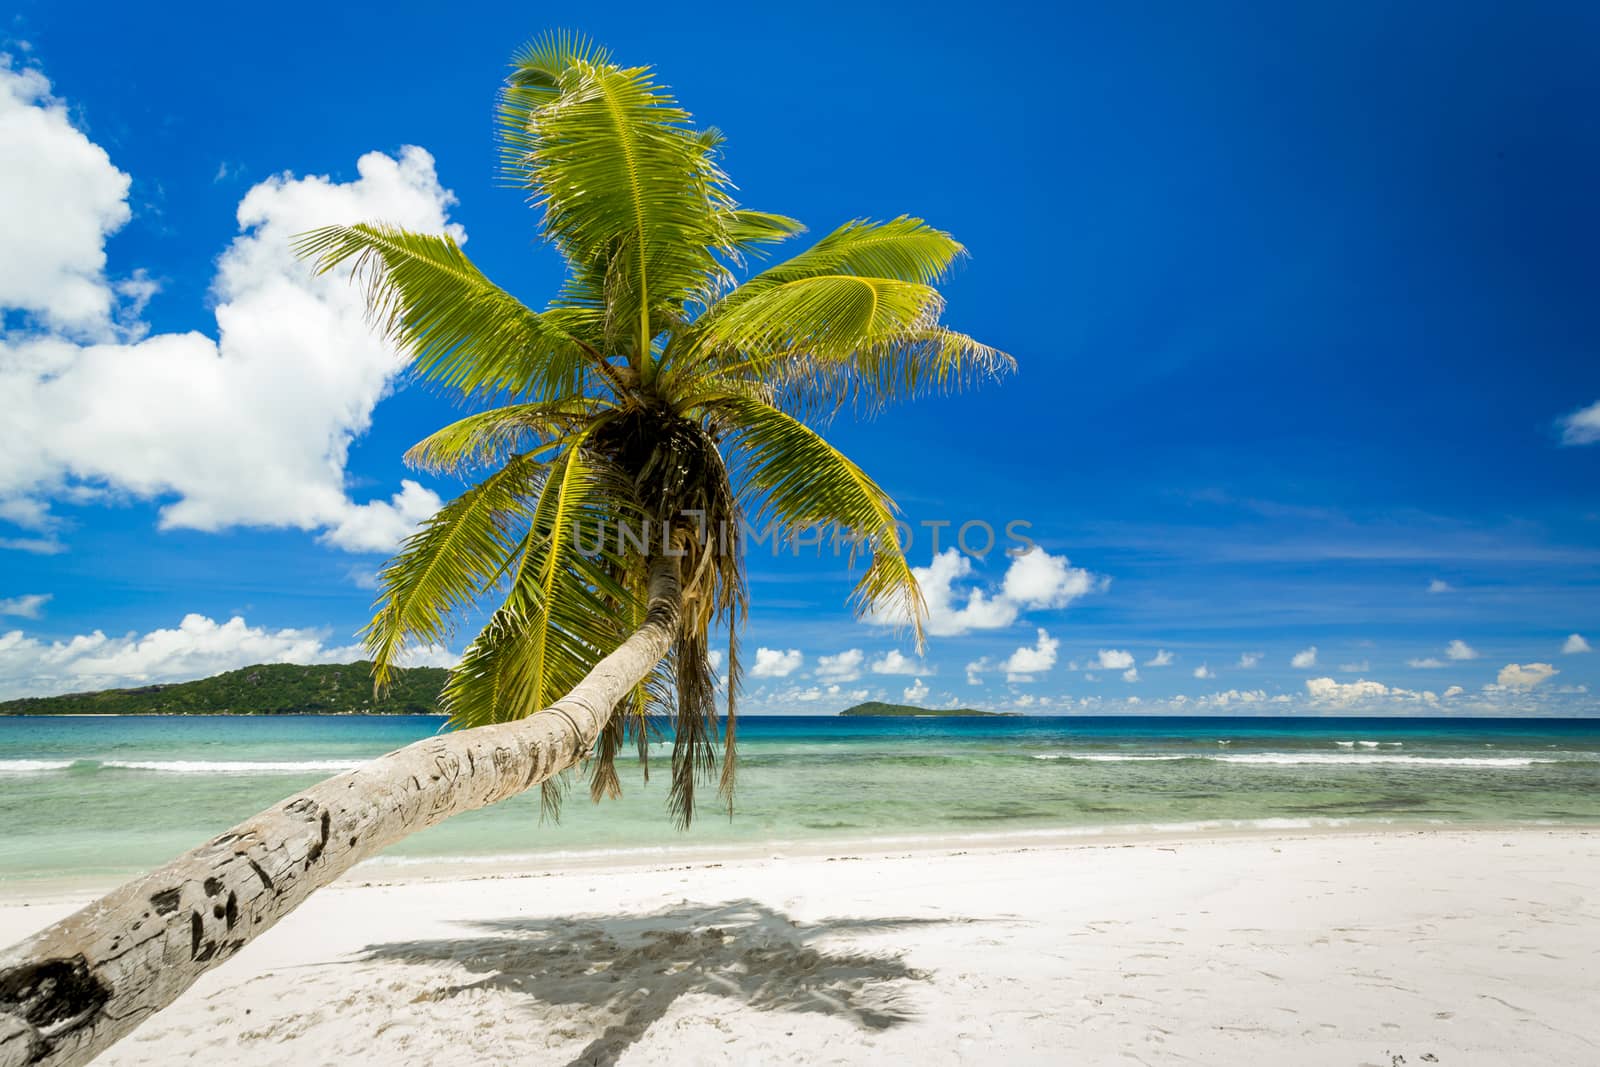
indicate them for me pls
(97, 798)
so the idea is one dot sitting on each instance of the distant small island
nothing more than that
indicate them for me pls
(879, 708)
(265, 689)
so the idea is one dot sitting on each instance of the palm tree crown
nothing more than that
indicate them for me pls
(656, 394)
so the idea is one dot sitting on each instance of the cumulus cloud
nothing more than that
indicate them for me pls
(1525, 675)
(1162, 658)
(60, 197)
(1356, 667)
(1038, 658)
(1204, 671)
(976, 669)
(27, 606)
(197, 647)
(1327, 691)
(914, 692)
(1112, 659)
(1455, 652)
(1438, 585)
(895, 662)
(1574, 645)
(1034, 579)
(776, 663)
(841, 667)
(1305, 658)
(250, 428)
(1582, 427)
(1248, 660)
(1131, 674)
(1453, 691)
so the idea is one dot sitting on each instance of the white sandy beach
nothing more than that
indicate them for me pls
(1455, 947)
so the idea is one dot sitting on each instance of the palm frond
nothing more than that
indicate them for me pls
(564, 606)
(489, 438)
(623, 181)
(444, 567)
(461, 329)
(797, 479)
(829, 316)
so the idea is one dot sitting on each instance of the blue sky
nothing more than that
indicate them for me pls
(1302, 298)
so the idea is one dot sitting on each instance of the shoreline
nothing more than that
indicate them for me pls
(1448, 944)
(408, 870)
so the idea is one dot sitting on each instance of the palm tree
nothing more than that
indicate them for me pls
(623, 438)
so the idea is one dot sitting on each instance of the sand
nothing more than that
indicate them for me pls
(1451, 947)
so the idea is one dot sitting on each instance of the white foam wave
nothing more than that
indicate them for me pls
(33, 766)
(234, 766)
(1291, 759)
(1288, 759)
(1115, 757)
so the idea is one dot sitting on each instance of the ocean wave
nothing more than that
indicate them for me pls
(1116, 757)
(1291, 759)
(234, 766)
(33, 766)
(1391, 758)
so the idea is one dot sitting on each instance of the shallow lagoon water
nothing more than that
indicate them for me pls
(99, 797)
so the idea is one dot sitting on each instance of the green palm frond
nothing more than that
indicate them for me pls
(565, 606)
(449, 563)
(904, 249)
(746, 229)
(623, 181)
(461, 329)
(919, 362)
(798, 480)
(490, 438)
(829, 316)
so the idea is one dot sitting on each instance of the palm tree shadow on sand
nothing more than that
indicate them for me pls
(628, 970)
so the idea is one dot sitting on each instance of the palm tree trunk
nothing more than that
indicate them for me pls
(73, 989)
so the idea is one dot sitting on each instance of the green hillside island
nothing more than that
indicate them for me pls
(266, 689)
(879, 708)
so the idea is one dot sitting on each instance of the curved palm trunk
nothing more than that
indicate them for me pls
(73, 989)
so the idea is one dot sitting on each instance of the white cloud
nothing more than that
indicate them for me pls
(1525, 675)
(1356, 667)
(1204, 671)
(1131, 674)
(197, 647)
(1574, 645)
(1035, 579)
(976, 669)
(914, 692)
(894, 662)
(27, 606)
(1438, 585)
(1305, 658)
(1455, 652)
(252, 428)
(1026, 662)
(841, 667)
(1453, 691)
(1162, 658)
(1582, 427)
(1326, 691)
(1113, 659)
(60, 197)
(776, 663)
(1248, 660)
